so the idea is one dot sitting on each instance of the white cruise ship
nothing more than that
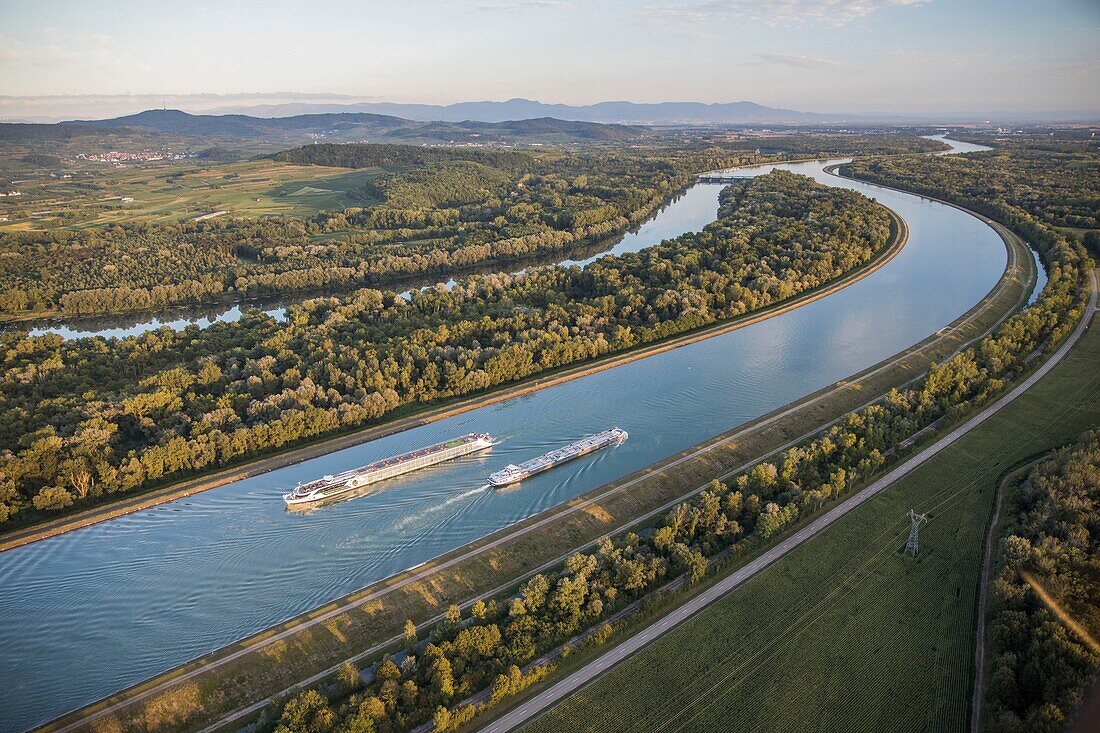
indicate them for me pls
(512, 474)
(329, 487)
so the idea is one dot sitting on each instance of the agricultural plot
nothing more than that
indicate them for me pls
(177, 192)
(847, 632)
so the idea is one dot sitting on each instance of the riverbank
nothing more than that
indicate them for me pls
(309, 645)
(848, 603)
(424, 415)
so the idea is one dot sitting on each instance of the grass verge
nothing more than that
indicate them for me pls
(846, 631)
(276, 659)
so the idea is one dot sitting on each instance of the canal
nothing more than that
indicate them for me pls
(93, 611)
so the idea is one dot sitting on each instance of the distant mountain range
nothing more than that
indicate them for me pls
(43, 109)
(630, 113)
(329, 127)
(517, 121)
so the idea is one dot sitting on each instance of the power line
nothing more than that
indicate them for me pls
(915, 521)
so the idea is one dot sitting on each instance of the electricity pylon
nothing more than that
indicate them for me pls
(915, 521)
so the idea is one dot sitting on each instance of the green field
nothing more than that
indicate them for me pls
(847, 632)
(183, 190)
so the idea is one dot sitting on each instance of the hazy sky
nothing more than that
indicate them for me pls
(820, 55)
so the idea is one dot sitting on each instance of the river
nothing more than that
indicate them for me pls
(93, 611)
(689, 211)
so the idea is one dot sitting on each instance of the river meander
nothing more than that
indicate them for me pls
(687, 212)
(93, 611)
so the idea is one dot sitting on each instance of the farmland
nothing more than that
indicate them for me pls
(857, 635)
(95, 195)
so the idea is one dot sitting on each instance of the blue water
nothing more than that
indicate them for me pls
(690, 211)
(73, 329)
(96, 610)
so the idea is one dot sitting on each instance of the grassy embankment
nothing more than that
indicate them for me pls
(370, 618)
(848, 632)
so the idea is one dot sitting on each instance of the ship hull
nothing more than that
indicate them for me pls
(553, 459)
(399, 466)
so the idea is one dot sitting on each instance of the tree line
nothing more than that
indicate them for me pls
(1041, 668)
(89, 418)
(433, 213)
(494, 645)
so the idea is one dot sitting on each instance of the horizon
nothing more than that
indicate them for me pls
(260, 104)
(898, 58)
(548, 366)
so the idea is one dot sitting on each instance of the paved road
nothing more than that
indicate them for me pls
(586, 674)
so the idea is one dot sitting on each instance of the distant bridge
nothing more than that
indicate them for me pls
(719, 177)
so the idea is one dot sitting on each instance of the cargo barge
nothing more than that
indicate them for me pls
(513, 474)
(329, 487)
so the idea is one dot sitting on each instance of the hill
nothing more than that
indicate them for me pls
(335, 127)
(395, 156)
(661, 113)
(242, 126)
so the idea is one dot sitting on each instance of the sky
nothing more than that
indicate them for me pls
(839, 56)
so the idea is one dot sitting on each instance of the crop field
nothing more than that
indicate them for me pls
(848, 632)
(98, 194)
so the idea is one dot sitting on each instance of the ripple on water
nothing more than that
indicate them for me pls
(153, 589)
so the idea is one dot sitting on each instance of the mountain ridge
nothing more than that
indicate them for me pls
(332, 127)
(518, 108)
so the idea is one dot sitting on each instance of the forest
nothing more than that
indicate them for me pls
(430, 211)
(1057, 181)
(399, 156)
(85, 419)
(1041, 667)
(494, 647)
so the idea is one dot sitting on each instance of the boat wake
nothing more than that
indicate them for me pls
(442, 505)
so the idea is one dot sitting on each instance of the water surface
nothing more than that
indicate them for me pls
(687, 212)
(93, 611)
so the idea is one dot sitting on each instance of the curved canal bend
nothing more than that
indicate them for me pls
(148, 591)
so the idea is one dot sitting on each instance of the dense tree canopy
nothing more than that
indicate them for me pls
(1055, 181)
(399, 156)
(1041, 668)
(430, 212)
(90, 417)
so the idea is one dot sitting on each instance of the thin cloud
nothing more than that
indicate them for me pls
(516, 6)
(1080, 67)
(834, 13)
(8, 52)
(931, 58)
(798, 60)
